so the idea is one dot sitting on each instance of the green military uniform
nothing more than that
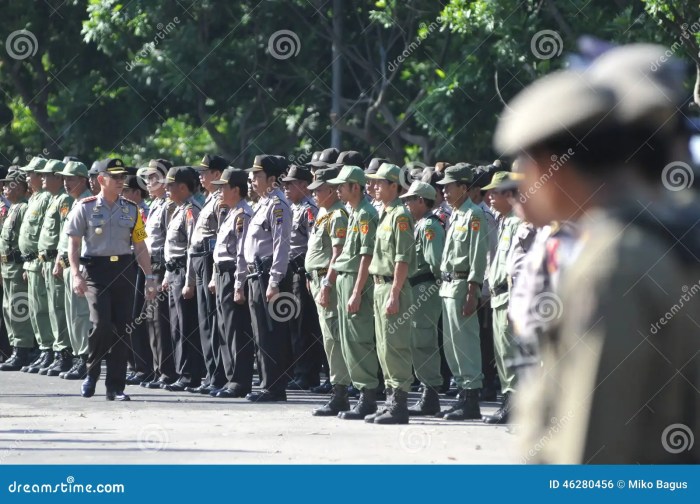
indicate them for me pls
(394, 243)
(429, 242)
(329, 230)
(54, 218)
(15, 297)
(76, 307)
(28, 245)
(463, 262)
(498, 275)
(357, 329)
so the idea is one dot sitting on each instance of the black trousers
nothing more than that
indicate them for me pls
(141, 355)
(488, 358)
(5, 347)
(237, 346)
(109, 284)
(274, 343)
(158, 324)
(189, 363)
(208, 329)
(307, 342)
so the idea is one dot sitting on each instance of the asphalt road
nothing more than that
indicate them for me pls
(44, 420)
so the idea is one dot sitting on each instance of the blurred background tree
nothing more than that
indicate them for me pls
(418, 79)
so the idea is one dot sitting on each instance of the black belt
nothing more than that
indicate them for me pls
(101, 260)
(316, 274)
(201, 249)
(14, 256)
(225, 266)
(383, 279)
(29, 257)
(175, 264)
(47, 255)
(454, 275)
(422, 278)
(501, 288)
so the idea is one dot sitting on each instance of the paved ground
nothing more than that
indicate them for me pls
(45, 420)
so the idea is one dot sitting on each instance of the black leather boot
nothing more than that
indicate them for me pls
(502, 415)
(338, 402)
(20, 357)
(366, 405)
(428, 404)
(397, 413)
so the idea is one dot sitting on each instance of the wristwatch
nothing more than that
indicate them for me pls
(151, 277)
(273, 284)
(326, 283)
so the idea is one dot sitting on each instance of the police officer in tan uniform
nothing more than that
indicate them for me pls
(108, 224)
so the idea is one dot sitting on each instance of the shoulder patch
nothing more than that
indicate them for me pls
(475, 224)
(88, 199)
(429, 234)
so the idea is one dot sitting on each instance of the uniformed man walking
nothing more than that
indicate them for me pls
(349, 274)
(75, 182)
(54, 219)
(189, 362)
(305, 330)
(463, 266)
(325, 246)
(108, 225)
(430, 241)
(28, 245)
(229, 284)
(266, 252)
(14, 285)
(200, 262)
(393, 263)
(158, 319)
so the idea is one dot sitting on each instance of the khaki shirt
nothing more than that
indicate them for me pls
(622, 370)
(9, 235)
(63, 238)
(330, 230)
(395, 241)
(498, 274)
(362, 230)
(54, 218)
(161, 211)
(31, 225)
(466, 247)
(430, 242)
(106, 231)
(179, 233)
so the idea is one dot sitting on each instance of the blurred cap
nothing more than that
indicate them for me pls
(323, 176)
(351, 158)
(112, 166)
(353, 174)
(212, 162)
(325, 157)
(387, 171)
(232, 177)
(461, 172)
(52, 166)
(75, 169)
(420, 189)
(37, 163)
(298, 173)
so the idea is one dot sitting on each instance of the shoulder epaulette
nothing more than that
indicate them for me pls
(130, 201)
(88, 199)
